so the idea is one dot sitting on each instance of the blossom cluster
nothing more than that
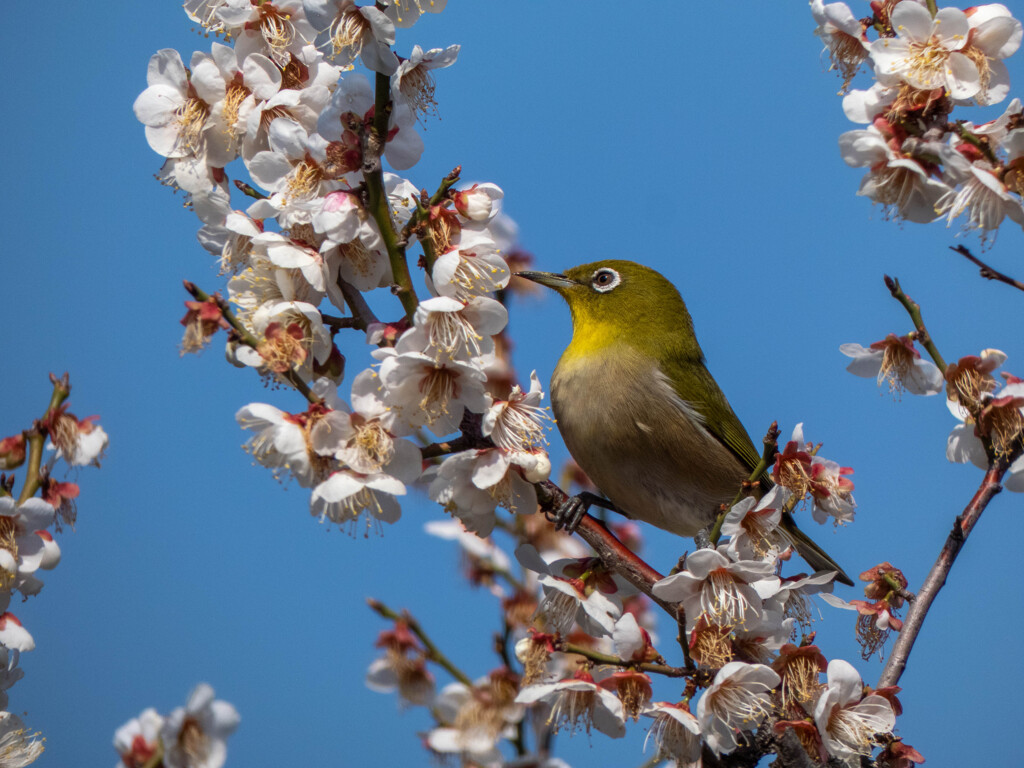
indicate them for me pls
(584, 643)
(324, 226)
(922, 162)
(29, 517)
(990, 415)
(304, 243)
(193, 736)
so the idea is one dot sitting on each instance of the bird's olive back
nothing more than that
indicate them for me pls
(626, 301)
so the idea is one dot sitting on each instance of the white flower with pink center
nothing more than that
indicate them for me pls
(726, 593)
(517, 424)
(900, 184)
(293, 169)
(279, 441)
(846, 719)
(279, 29)
(345, 497)
(175, 116)
(739, 699)
(895, 360)
(359, 437)
(588, 599)
(25, 544)
(676, 732)
(449, 329)
(348, 30)
(472, 267)
(195, 736)
(430, 393)
(138, 740)
(578, 703)
(948, 52)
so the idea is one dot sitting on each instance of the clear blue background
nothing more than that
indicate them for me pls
(698, 139)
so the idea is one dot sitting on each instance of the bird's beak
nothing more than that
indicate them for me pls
(550, 279)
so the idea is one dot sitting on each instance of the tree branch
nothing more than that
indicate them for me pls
(985, 270)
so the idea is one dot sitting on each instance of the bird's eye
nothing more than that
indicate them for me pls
(603, 280)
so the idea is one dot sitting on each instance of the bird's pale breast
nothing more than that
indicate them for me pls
(636, 439)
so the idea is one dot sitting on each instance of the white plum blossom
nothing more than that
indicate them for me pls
(348, 30)
(195, 736)
(895, 360)
(293, 169)
(359, 437)
(346, 496)
(478, 203)
(138, 740)
(752, 526)
(25, 544)
(449, 329)
(412, 82)
(431, 393)
(473, 720)
(279, 29)
(176, 118)
(982, 195)
(471, 267)
(280, 442)
(18, 747)
(737, 701)
(286, 253)
(863, 106)
(727, 593)
(572, 600)
(516, 424)
(948, 52)
(900, 184)
(226, 233)
(846, 719)
(578, 703)
(293, 336)
(676, 732)
(12, 634)
(843, 36)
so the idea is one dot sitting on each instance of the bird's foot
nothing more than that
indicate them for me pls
(569, 515)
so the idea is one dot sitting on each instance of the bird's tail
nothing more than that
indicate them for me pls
(815, 556)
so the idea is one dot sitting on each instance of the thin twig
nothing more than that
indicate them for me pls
(989, 273)
(920, 332)
(246, 337)
(615, 661)
(37, 437)
(433, 653)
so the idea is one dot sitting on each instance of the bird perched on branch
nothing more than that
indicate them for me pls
(639, 411)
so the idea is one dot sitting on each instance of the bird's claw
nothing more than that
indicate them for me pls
(569, 515)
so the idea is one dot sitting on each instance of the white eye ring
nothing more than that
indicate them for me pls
(604, 280)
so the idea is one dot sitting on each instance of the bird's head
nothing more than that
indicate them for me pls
(618, 299)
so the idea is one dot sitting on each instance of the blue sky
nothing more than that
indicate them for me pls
(701, 143)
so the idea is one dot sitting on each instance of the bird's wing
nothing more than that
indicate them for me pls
(695, 385)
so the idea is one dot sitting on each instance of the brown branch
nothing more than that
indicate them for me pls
(615, 661)
(985, 270)
(936, 578)
(612, 552)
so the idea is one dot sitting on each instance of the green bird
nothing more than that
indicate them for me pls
(639, 411)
